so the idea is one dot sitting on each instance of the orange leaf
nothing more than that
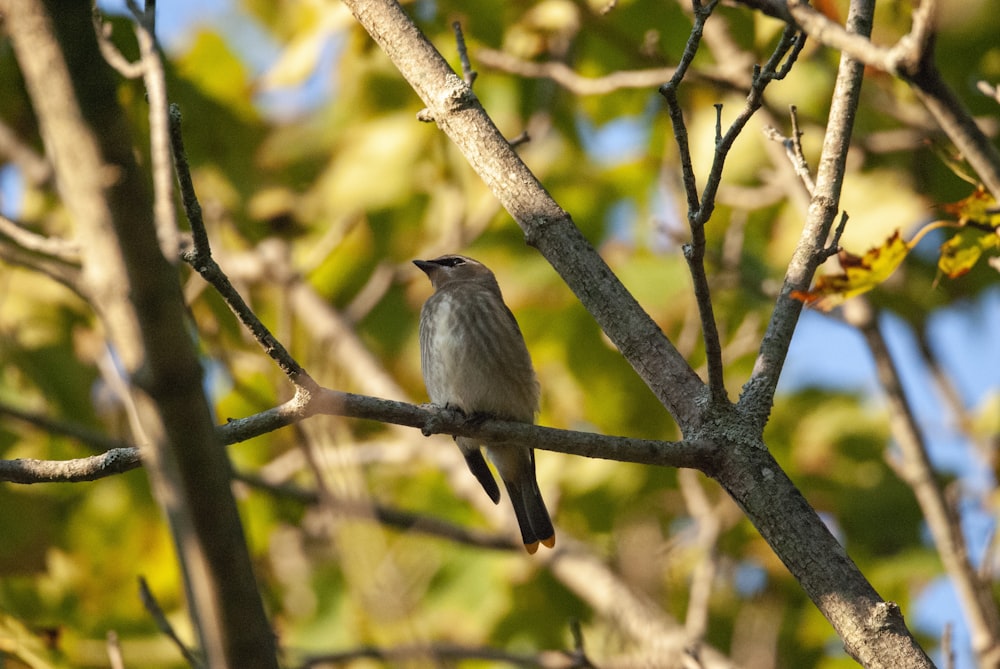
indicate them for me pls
(860, 274)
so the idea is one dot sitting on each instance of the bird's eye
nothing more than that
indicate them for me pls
(452, 261)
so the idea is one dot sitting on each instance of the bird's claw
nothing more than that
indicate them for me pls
(449, 413)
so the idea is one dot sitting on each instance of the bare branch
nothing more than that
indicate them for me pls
(468, 74)
(35, 168)
(59, 259)
(399, 519)
(92, 438)
(700, 208)
(115, 658)
(163, 624)
(566, 77)
(975, 594)
(27, 471)
(911, 58)
(439, 653)
(199, 256)
(159, 132)
(59, 249)
(989, 90)
(793, 149)
(429, 419)
(758, 392)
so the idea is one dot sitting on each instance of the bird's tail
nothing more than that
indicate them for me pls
(477, 465)
(532, 516)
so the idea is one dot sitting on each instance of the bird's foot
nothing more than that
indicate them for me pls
(442, 415)
(477, 418)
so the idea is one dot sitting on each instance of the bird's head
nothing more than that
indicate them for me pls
(449, 268)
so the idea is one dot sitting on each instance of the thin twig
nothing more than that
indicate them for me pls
(112, 56)
(694, 252)
(989, 90)
(568, 78)
(669, 92)
(793, 149)
(833, 248)
(159, 133)
(34, 167)
(468, 74)
(443, 653)
(199, 256)
(56, 248)
(700, 208)
(115, 658)
(96, 440)
(399, 519)
(159, 617)
(947, 651)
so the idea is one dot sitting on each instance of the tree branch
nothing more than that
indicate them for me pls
(136, 292)
(975, 595)
(546, 225)
(873, 630)
(199, 256)
(428, 418)
(911, 58)
(758, 392)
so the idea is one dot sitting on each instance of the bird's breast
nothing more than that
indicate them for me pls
(473, 356)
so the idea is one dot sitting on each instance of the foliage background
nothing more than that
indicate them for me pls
(309, 161)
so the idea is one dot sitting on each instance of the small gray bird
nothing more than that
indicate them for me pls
(474, 359)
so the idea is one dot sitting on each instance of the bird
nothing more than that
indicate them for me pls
(473, 358)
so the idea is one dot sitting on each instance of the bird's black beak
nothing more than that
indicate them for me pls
(425, 266)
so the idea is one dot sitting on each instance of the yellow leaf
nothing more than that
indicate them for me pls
(978, 209)
(860, 274)
(962, 251)
(979, 217)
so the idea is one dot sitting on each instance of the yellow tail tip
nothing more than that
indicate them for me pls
(532, 548)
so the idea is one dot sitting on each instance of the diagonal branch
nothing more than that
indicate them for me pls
(975, 595)
(758, 392)
(700, 208)
(546, 225)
